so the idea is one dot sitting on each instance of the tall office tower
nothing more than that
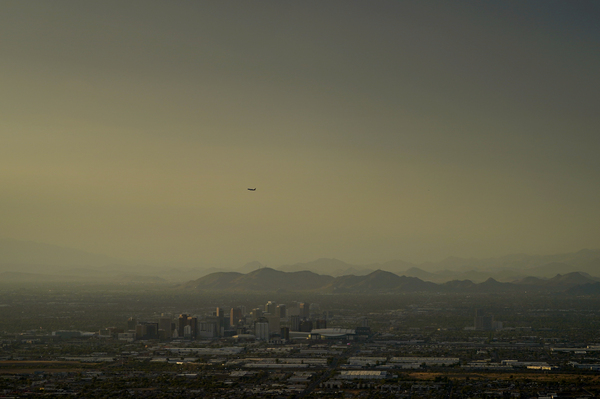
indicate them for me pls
(193, 323)
(274, 325)
(483, 321)
(182, 321)
(270, 307)
(210, 328)
(131, 323)
(321, 323)
(305, 310)
(285, 333)
(364, 322)
(256, 313)
(164, 323)
(306, 326)
(294, 323)
(261, 330)
(187, 331)
(280, 311)
(152, 330)
(223, 317)
(140, 331)
(293, 311)
(234, 316)
(243, 308)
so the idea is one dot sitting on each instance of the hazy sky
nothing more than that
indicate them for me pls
(372, 130)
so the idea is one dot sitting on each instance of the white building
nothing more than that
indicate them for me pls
(363, 375)
(261, 331)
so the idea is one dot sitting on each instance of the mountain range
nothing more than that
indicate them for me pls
(25, 261)
(379, 281)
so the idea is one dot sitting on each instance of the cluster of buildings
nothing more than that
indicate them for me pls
(271, 322)
(485, 321)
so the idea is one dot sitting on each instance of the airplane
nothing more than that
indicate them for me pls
(252, 189)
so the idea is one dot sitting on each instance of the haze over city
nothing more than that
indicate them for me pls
(371, 131)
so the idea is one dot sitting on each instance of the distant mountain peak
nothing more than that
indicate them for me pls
(264, 270)
(251, 266)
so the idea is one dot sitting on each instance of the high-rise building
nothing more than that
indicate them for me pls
(294, 323)
(235, 316)
(274, 325)
(187, 331)
(182, 321)
(305, 310)
(151, 330)
(193, 323)
(211, 327)
(165, 324)
(261, 330)
(294, 310)
(280, 311)
(146, 330)
(306, 326)
(131, 323)
(320, 323)
(256, 313)
(186, 320)
(483, 321)
(285, 333)
(270, 307)
(223, 316)
(140, 331)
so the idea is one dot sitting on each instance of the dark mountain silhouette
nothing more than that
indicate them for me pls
(419, 273)
(250, 267)
(558, 282)
(352, 270)
(265, 279)
(65, 264)
(503, 269)
(215, 281)
(569, 280)
(492, 285)
(380, 281)
(274, 280)
(321, 266)
(551, 269)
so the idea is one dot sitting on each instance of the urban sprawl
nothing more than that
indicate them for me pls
(421, 348)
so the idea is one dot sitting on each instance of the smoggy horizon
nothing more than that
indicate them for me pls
(371, 131)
